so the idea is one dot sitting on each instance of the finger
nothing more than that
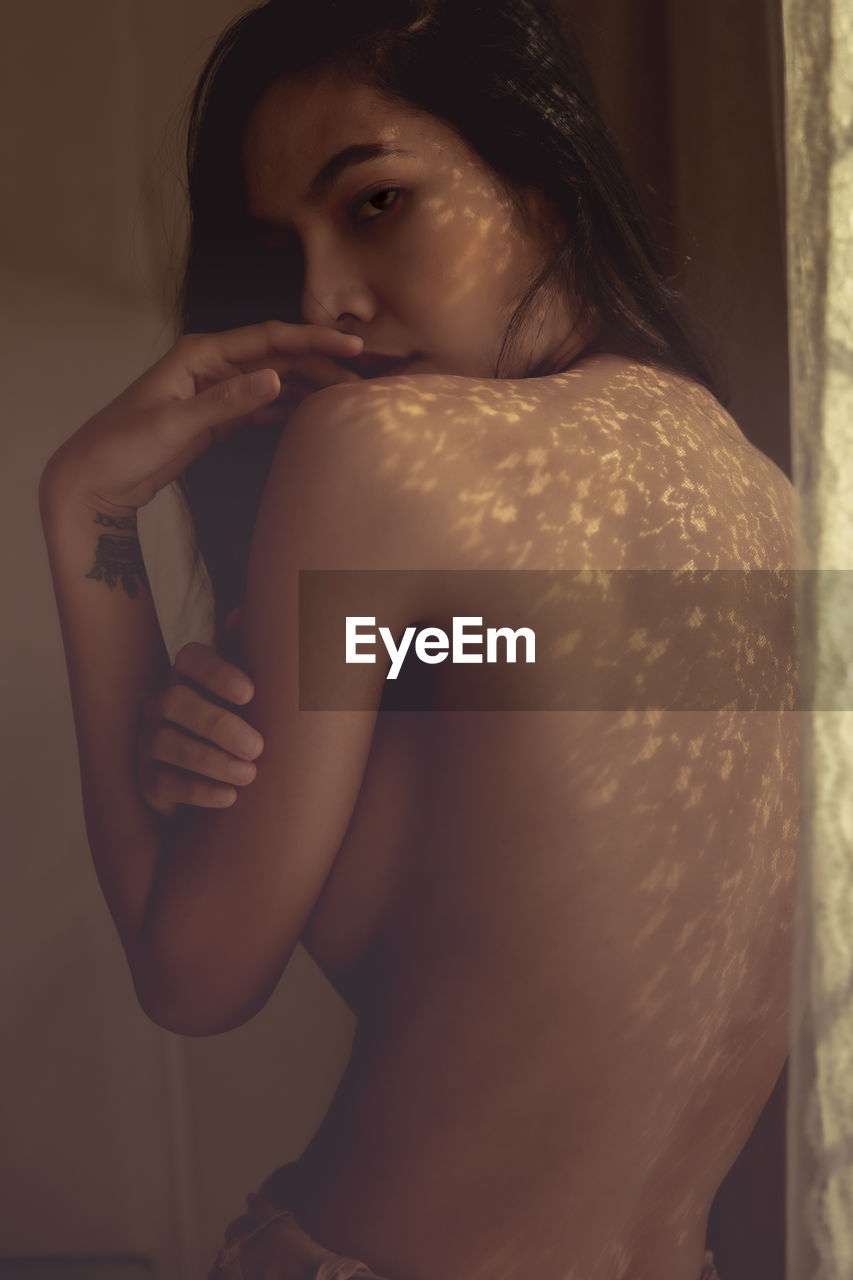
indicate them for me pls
(296, 387)
(167, 788)
(309, 370)
(172, 746)
(215, 356)
(299, 376)
(163, 807)
(186, 428)
(203, 665)
(187, 709)
(183, 429)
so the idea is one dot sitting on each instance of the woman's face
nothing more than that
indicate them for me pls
(407, 238)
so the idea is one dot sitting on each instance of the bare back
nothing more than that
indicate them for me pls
(565, 935)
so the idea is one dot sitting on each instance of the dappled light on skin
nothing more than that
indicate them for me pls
(437, 268)
(671, 897)
(615, 925)
(635, 464)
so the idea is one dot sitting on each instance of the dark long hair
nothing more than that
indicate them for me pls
(506, 77)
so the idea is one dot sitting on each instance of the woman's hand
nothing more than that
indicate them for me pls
(189, 745)
(204, 389)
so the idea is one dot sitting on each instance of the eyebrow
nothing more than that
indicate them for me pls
(357, 153)
(328, 174)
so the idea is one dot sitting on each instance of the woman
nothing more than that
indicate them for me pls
(428, 327)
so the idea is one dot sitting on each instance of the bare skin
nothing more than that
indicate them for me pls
(565, 937)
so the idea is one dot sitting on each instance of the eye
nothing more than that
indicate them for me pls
(380, 202)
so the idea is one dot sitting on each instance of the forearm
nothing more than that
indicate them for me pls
(115, 656)
(174, 887)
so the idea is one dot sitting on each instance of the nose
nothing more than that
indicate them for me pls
(334, 287)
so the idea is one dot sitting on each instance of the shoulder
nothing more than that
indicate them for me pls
(613, 461)
(701, 493)
(404, 410)
(441, 422)
(353, 466)
(474, 470)
(397, 448)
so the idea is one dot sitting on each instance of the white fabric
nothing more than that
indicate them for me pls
(819, 84)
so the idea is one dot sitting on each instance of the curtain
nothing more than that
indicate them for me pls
(819, 58)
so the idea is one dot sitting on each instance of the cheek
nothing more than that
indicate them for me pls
(494, 262)
(454, 271)
(465, 236)
(411, 259)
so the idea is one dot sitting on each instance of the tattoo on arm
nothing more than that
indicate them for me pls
(118, 557)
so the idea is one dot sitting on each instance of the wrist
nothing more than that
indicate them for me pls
(85, 536)
(60, 491)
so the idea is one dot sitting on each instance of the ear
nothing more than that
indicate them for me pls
(544, 213)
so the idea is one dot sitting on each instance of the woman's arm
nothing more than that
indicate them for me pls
(233, 897)
(210, 907)
(115, 656)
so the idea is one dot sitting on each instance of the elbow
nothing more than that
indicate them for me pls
(159, 999)
(171, 1011)
(171, 1017)
(181, 1026)
(189, 1005)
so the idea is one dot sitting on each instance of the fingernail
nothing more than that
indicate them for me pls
(241, 770)
(263, 383)
(251, 743)
(240, 691)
